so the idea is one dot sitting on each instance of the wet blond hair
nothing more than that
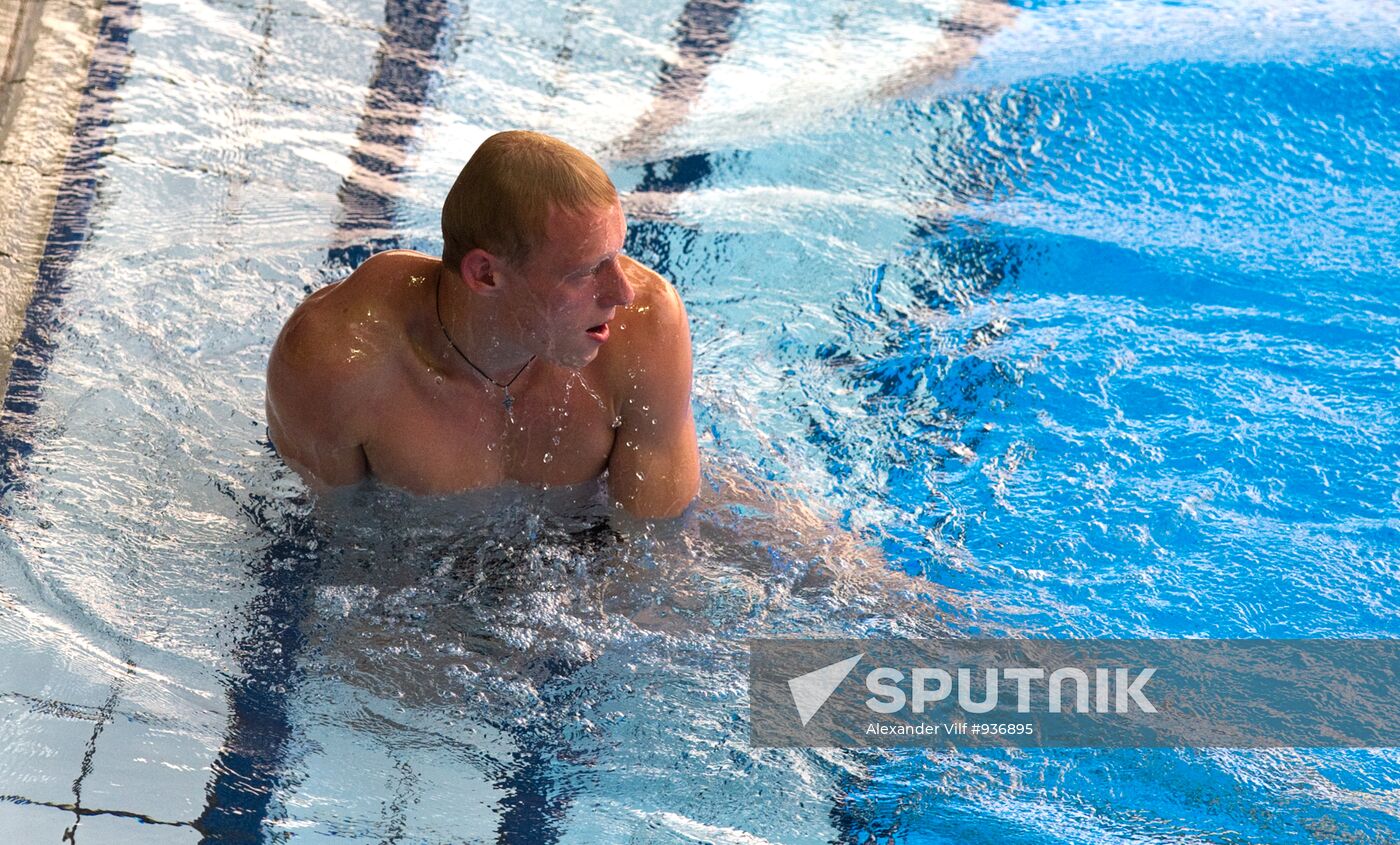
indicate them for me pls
(501, 199)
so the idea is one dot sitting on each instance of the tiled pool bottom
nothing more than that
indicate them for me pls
(98, 750)
(89, 757)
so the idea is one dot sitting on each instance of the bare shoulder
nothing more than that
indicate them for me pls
(656, 314)
(338, 345)
(653, 352)
(348, 327)
(654, 468)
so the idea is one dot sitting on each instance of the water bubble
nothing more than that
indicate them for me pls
(548, 456)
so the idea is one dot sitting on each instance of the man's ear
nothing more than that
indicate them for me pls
(478, 269)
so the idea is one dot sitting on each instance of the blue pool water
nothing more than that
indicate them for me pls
(1080, 317)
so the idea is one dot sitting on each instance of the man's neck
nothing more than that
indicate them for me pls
(477, 330)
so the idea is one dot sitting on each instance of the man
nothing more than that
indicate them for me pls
(534, 351)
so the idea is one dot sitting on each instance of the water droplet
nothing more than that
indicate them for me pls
(548, 456)
(437, 379)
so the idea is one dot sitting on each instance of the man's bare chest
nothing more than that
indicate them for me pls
(449, 436)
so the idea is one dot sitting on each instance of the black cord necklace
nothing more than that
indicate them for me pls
(509, 400)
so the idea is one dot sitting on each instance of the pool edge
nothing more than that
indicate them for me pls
(46, 49)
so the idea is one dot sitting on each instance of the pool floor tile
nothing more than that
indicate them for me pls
(158, 771)
(44, 754)
(117, 830)
(33, 824)
(42, 661)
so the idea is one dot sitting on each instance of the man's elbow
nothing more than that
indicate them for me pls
(322, 476)
(656, 509)
(666, 496)
(322, 468)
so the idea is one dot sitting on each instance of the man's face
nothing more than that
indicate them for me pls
(572, 284)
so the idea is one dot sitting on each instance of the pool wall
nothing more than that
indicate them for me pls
(45, 46)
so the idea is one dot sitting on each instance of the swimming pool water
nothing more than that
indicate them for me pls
(1082, 314)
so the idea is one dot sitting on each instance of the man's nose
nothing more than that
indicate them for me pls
(617, 292)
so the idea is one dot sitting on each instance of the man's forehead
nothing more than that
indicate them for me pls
(595, 217)
(581, 232)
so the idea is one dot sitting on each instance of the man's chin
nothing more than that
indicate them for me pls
(573, 361)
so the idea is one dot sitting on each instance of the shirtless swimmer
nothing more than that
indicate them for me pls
(533, 351)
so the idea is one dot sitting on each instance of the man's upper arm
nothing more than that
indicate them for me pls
(307, 412)
(654, 469)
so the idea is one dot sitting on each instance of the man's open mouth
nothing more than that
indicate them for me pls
(599, 332)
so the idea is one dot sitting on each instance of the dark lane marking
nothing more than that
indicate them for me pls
(528, 815)
(704, 32)
(253, 763)
(405, 66)
(249, 767)
(69, 231)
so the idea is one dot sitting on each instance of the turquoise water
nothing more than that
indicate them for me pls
(1081, 314)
